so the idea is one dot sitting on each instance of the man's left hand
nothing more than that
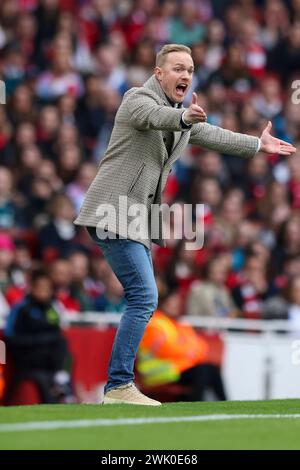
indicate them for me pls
(270, 144)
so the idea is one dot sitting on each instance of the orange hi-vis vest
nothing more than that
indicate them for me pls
(167, 349)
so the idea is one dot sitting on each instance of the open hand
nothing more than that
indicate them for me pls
(270, 144)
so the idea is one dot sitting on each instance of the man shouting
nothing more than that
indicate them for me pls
(151, 131)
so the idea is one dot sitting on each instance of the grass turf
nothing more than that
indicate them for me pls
(236, 434)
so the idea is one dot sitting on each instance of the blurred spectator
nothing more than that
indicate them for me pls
(25, 136)
(110, 106)
(247, 233)
(294, 7)
(11, 214)
(276, 23)
(257, 178)
(19, 272)
(142, 63)
(60, 78)
(36, 343)
(233, 72)
(210, 297)
(136, 20)
(4, 307)
(67, 25)
(77, 189)
(183, 268)
(48, 127)
(207, 191)
(66, 107)
(100, 273)
(47, 14)
(48, 171)
(25, 32)
(79, 264)
(288, 49)
(30, 161)
(210, 165)
(255, 56)
(186, 28)
(224, 229)
(176, 346)
(268, 102)
(215, 51)
(7, 251)
(61, 277)
(294, 181)
(69, 160)
(287, 305)
(89, 112)
(58, 237)
(288, 241)
(110, 68)
(5, 134)
(21, 108)
(202, 69)
(43, 186)
(254, 288)
(39, 197)
(14, 68)
(67, 136)
(172, 351)
(274, 207)
(248, 115)
(113, 299)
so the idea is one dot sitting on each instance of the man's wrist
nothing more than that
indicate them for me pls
(258, 146)
(183, 121)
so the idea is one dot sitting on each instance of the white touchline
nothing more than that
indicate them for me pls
(87, 423)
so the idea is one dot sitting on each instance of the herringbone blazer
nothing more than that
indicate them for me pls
(136, 164)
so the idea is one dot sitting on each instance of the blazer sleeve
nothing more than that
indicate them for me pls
(223, 140)
(146, 113)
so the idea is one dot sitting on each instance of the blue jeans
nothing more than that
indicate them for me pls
(132, 264)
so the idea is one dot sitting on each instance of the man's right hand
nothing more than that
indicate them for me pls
(194, 113)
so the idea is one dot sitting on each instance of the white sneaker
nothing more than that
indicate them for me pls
(128, 394)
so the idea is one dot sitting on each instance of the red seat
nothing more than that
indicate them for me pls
(26, 393)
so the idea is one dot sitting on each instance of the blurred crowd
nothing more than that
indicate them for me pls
(66, 65)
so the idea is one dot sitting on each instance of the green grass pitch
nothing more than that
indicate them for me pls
(184, 426)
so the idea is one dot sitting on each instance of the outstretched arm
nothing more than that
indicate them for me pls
(222, 140)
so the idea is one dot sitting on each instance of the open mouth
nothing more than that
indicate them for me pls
(181, 89)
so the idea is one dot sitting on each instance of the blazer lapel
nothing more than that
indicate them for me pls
(180, 146)
(179, 137)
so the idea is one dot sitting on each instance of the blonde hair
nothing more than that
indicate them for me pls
(166, 49)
